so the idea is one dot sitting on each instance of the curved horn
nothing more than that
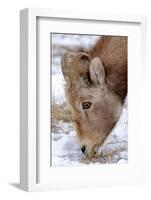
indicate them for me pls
(75, 63)
(66, 61)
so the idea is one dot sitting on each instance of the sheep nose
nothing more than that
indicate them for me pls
(83, 149)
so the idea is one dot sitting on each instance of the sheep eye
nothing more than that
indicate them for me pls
(86, 105)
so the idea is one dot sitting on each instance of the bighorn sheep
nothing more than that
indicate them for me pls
(96, 86)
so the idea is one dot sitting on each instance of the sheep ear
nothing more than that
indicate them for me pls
(97, 72)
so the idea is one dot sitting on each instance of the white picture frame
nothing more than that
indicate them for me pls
(135, 171)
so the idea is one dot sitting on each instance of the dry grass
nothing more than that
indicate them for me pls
(60, 112)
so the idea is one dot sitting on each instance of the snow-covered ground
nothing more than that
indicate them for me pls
(58, 88)
(65, 148)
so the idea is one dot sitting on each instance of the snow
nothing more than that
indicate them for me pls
(65, 148)
(76, 40)
(58, 88)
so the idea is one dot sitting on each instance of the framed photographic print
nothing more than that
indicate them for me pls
(82, 79)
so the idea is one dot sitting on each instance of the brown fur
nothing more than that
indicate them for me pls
(100, 77)
(113, 54)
